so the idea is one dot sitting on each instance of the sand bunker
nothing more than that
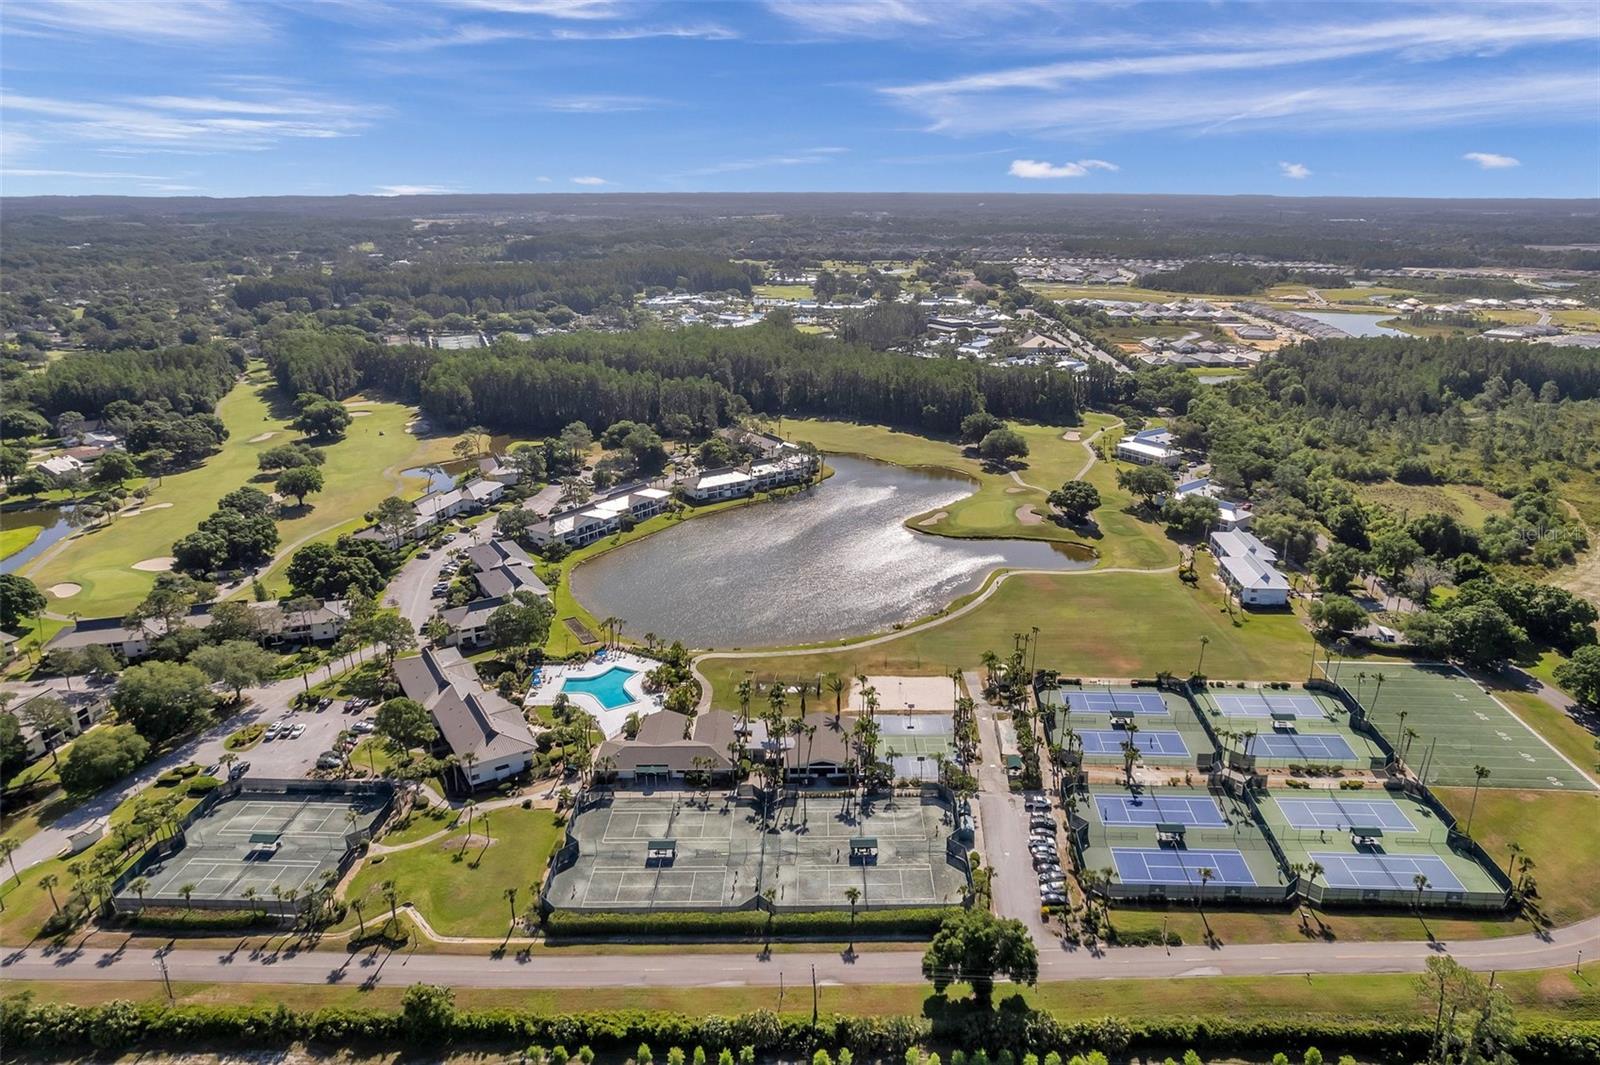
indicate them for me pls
(64, 590)
(260, 437)
(359, 402)
(1015, 490)
(150, 506)
(934, 519)
(1071, 435)
(359, 413)
(1026, 515)
(155, 565)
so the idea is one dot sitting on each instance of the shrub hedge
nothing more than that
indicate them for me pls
(567, 924)
(429, 1021)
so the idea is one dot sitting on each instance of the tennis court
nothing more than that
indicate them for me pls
(665, 852)
(1178, 866)
(1265, 704)
(1192, 810)
(1386, 872)
(262, 843)
(1115, 702)
(1312, 746)
(1110, 741)
(1341, 813)
(915, 724)
(1459, 726)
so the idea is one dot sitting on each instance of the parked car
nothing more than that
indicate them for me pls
(329, 760)
(363, 726)
(237, 770)
(297, 730)
(1053, 898)
(272, 731)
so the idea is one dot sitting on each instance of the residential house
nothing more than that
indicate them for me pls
(134, 639)
(487, 734)
(600, 517)
(469, 624)
(84, 708)
(1230, 515)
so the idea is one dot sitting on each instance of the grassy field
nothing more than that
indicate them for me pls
(782, 292)
(14, 540)
(1557, 995)
(1119, 292)
(1090, 623)
(457, 882)
(1467, 502)
(360, 470)
(1543, 824)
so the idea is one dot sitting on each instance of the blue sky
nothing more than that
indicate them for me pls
(255, 97)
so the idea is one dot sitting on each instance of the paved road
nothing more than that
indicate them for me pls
(567, 969)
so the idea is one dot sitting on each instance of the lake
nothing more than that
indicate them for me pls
(1357, 325)
(834, 561)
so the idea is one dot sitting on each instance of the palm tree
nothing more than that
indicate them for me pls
(1205, 874)
(391, 896)
(778, 698)
(249, 895)
(139, 885)
(361, 917)
(510, 895)
(1200, 665)
(1421, 883)
(1514, 849)
(1479, 772)
(836, 687)
(8, 850)
(745, 689)
(852, 895)
(187, 891)
(49, 882)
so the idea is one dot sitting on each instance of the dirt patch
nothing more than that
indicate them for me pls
(261, 438)
(1026, 515)
(934, 519)
(474, 842)
(150, 506)
(162, 564)
(360, 413)
(64, 590)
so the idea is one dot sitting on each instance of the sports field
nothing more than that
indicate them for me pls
(1283, 728)
(1458, 726)
(1372, 845)
(1160, 724)
(285, 843)
(719, 857)
(914, 743)
(1156, 842)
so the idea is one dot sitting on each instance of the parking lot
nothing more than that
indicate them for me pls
(287, 758)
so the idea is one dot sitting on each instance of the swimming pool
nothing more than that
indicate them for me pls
(606, 687)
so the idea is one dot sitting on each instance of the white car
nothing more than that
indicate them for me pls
(272, 731)
(363, 726)
(297, 730)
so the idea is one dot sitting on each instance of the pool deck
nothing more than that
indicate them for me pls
(609, 721)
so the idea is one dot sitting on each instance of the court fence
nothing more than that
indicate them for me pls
(124, 901)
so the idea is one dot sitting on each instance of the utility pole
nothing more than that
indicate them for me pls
(166, 979)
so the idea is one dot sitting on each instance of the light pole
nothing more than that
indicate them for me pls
(161, 963)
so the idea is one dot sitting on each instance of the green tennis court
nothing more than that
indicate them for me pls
(1462, 725)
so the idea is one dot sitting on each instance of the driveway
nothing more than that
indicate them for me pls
(411, 588)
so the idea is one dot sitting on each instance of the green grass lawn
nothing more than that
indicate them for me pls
(782, 292)
(1467, 502)
(1090, 624)
(459, 888)
(1557, 995)
(423, 821)
(1120, 292)
(15, 539)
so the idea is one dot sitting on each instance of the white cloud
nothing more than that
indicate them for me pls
(156, 21)
(590, 181)
(543, 179)
(413, 190)
(599, 104)
(1034, 169)
(467, 34)
(78, 175)
(801, 157)
(890, 18)
(1492, 161)
(566, 9)
(1297, 171)
(185, 123)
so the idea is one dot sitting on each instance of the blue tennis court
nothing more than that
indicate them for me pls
(1297, 745)
(1386, 872)
(1137, 865)
(1196, 811)
(1345, 813)
(1115, 702)
(1265, 704)
(1109, 741)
